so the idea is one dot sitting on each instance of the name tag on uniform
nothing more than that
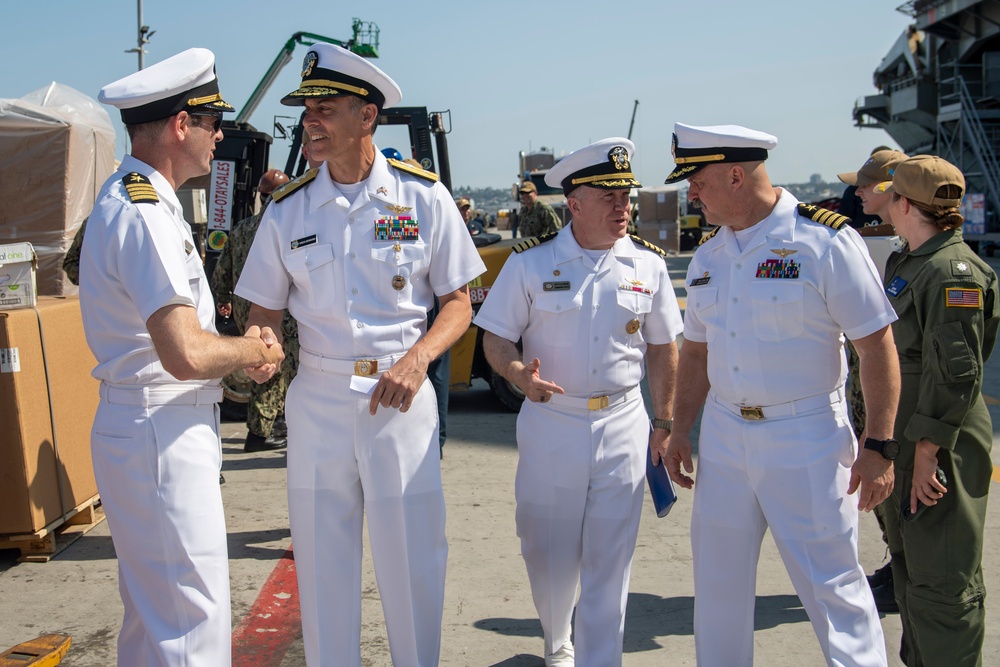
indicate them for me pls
(698, 282)
(304, 241)
(895, 286)
(560, 286)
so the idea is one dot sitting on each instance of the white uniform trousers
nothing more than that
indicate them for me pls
(790, 475)
(157, 470)
(344, 464)
(579, 491)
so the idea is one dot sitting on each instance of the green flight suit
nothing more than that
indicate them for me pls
(943, 340)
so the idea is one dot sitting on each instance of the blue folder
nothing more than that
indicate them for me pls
(661, 487)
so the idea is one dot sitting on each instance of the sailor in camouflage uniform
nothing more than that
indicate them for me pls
(267, 400)
(535, 218)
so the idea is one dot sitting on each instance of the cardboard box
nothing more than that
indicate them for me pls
(43, 349)
(18, 286)
(662, 233)
(659, 205)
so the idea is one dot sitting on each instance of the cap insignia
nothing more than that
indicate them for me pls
(309, 63)
(673, 146)
(619, 156)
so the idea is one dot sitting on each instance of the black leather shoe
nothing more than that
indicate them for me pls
(280, 429)
(258, 443)
(222, 480)
(880, 576)
(885, 598)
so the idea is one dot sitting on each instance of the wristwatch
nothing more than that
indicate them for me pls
(889, 449)
(665, 424)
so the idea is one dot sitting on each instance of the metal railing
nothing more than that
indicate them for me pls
(980, 144)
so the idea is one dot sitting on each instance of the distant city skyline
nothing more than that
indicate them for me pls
(516, 75)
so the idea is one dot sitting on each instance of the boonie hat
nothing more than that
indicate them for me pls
(694, 147)
(332, 71)
(184, 82)
(528, 186)
(920, 177)
(603, 164)
(877, 169)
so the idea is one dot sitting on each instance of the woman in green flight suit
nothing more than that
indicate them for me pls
(946, 298)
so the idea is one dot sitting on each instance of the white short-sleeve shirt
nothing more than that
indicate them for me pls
(135, 260)
(359, 277)
(587, 323)
(774, 315)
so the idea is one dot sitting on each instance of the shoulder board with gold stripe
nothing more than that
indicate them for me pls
(291, 186)
(410, 169)
(534, 241)
(823, 216)
(646, 244)
(709, 235)
(139, 189)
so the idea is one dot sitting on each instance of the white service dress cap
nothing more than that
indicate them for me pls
(331, 71)
(603, 164)
(184, 82)
(694, 147)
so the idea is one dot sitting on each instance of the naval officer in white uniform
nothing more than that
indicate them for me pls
(357, 251)
(149, 320)
(771, 295)
(590, 305)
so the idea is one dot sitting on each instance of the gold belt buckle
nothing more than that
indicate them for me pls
(597, 402)
(753, 413)
(366, 367)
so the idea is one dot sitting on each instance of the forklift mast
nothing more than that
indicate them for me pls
(422, 126)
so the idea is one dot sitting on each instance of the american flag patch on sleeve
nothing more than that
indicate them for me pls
(963, 297)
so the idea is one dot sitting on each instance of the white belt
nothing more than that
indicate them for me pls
(789, 409)
(163, 394)
(362, 367)
(594, 402)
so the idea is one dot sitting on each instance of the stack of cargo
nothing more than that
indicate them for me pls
(659, 214)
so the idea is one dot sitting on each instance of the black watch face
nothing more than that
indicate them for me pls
(890, 450)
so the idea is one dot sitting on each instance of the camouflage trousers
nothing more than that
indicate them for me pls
(854, 396)
(267, 401)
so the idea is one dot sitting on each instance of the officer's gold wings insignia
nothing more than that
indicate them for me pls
(396, 208)
(783, 252)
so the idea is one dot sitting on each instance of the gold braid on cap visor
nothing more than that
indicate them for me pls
(610, 179)
(326, 83)
(198, 101)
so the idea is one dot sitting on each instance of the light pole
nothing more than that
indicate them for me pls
(144, 34)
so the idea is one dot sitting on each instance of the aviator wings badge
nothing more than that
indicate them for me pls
(783, 252)
(397, 209)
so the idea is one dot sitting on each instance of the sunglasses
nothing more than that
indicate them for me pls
(216, 119)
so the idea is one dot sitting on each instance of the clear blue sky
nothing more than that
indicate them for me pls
(516, 75)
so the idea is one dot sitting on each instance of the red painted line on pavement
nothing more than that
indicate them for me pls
(274, 621)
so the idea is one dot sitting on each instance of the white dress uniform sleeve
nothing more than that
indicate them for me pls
(455, 260)
(148, 246)
(854, 294)
(694, 328)
(506, 308)
(663, 323)
(265, 279)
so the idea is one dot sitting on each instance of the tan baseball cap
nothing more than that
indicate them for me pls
(463, 202)
(527, 186)
(877, 169)
(919, 179)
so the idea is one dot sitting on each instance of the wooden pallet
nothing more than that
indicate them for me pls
(44, 544)
(44, 651)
